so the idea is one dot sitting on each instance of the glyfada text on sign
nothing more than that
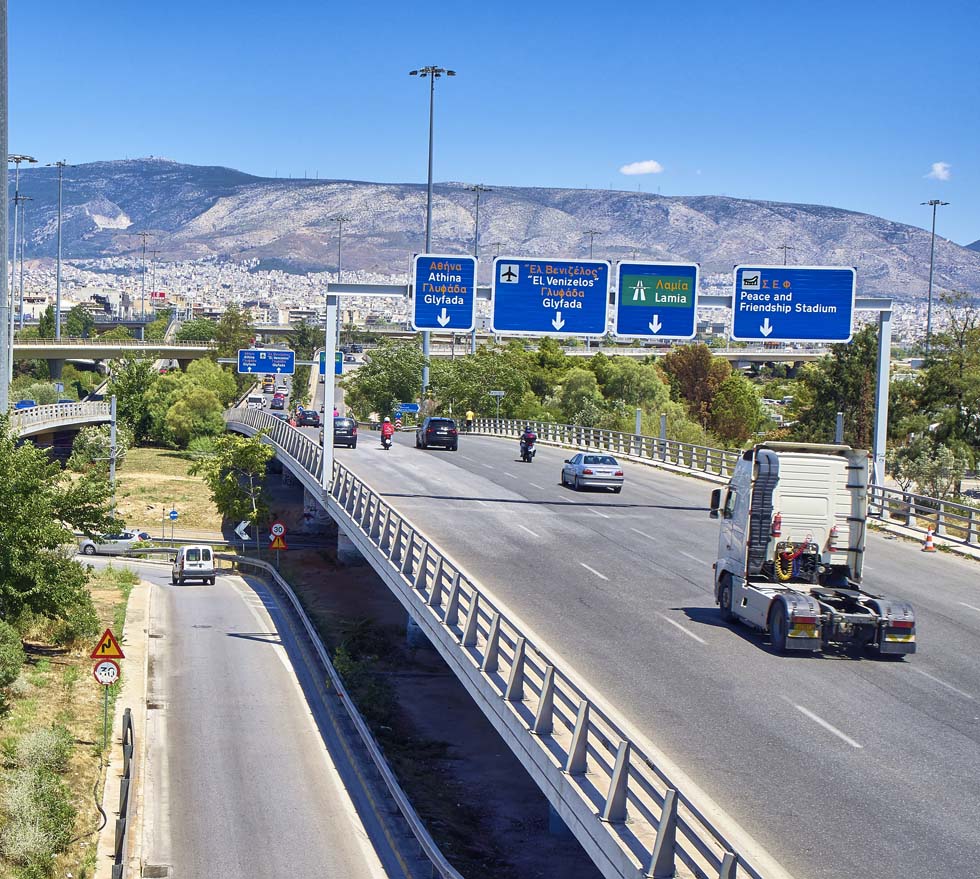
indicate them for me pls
(444, 292)
(270, 360)
(793, 303)
(542, 296)
(656, 300)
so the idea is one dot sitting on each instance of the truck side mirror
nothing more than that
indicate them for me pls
(715, 503)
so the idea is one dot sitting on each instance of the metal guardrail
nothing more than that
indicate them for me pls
(55, 414)
(125, 807)
(631, 816)
(427, 845)
(109, 343)
(953, 521)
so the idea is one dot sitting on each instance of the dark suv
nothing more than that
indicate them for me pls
(437, 432)
(345, 432)
(308, 418)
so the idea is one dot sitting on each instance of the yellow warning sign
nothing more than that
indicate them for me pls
(277, 542)
(108, 647)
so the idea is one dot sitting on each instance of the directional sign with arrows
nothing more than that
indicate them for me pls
(270, 360)
(242, 529)
(794, 303)
(444, 292)
(549, 297)
(656, 300)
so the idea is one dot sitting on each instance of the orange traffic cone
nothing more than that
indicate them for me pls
(929, 546)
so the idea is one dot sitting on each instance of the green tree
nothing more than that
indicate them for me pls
(391, 376)
(40, 508)
(79, 324)
(843, 381)
(234, 473)
(636, 384)
(116, 334)
(42, 393)
(214, 377)
(464, 383)
(131, 379)
(200, 329)
(233, 331)
(156, 330)
(195, 413)
(91, 448)
(736, 410)
(305, 339)
(935, 470)
(695, 376)
(45, 323)
(580, 399)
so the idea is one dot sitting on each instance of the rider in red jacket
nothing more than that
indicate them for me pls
(387, 428)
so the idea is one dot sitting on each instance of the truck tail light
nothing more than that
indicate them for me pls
(804, 621)
(777, 525)
(832, 539)
(901, 624)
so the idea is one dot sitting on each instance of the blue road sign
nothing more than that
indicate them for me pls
(275, 360)
(794, 303)
(173, 515)
(656, 300)
(407, 407)
(444, 292)
(338, 363)
(549, 297)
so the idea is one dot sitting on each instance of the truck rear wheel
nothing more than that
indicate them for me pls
(725, 598)
(778, 630)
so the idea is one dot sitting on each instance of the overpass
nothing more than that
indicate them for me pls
(664, 738)
(57, 352)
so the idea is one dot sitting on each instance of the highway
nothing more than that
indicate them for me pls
(839, 766)
(238, 780)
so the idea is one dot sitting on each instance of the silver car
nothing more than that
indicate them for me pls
(592, 469)
(110, 544)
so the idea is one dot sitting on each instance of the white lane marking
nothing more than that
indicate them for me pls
(467, 458)
(926, 674)
(511, 475)
(604, 516)
(684, 629)
(971, 606)
(687, 555)
(594, 571)
(535, 485)
(488, 466)
(827, 726)
(643, 534)
(528, 530)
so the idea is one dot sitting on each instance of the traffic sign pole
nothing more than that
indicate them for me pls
(329, 353)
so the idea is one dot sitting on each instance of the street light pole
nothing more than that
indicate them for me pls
(340, 219)
(23, 247)
(934, 203)
(433, 73)
(478, 189)
(6, 343)
(61, 165)
(144, 236)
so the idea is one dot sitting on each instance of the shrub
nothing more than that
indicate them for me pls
(39, 820)
(79, 623)
(11, 654)
(45, 749)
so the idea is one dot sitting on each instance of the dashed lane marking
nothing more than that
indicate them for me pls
(941, 683)
(528, 530)
(604, 516)
(684, 629)
(817, 719)
(971, 606)
(594, 571)
(643, 534)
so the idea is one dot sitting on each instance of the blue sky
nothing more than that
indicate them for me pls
(847, 104)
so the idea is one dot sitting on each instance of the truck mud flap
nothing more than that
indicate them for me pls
(896, 631)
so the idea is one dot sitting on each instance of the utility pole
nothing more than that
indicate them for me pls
(784, 248)
(153, 271)
(23, 247)
(60, 165)
(340, 219)
(144, 236)
(478, 189)
(933, 203)
(592, 234)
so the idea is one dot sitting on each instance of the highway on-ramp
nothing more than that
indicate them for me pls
(839, 765)
(238, 780)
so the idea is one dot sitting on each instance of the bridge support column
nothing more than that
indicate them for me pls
(55, 367)
(183, 364)
(140, 332)
(347, 552)
(414, 636)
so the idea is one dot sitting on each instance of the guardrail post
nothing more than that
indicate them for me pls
(493, 646)
(941, 520)
(615, 809)
(435, 593)
(452, 605)
(469, 632)
(662, 858)
(515, 683)
(544, 717)
(577, 762)
(728, 865)
(971, 528)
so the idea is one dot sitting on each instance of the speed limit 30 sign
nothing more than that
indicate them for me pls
(106, 672)
(278, 529)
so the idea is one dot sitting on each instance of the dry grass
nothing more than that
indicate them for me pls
(152, 482)
(56, 687)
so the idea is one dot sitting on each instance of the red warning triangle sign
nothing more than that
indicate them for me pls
(277, 543)
(108, 647)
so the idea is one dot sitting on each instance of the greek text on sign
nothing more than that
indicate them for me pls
(549, 297)
(794, 303)
(444, 292)
(656, 300)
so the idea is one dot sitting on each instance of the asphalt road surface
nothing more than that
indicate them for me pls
(238, 781)
(839, 765)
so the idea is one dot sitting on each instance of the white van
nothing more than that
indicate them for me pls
(256, 401)
(193, 563)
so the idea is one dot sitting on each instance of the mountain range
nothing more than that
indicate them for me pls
(194, 212)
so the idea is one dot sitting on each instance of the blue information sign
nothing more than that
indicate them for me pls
(173, 515)
(338, 363)
(549, 297)
(407, 407)
(794, 303)
(266, 360)
(656, 300)
(444, 292)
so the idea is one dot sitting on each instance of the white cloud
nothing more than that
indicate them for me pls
(648, 167)
(940, 171)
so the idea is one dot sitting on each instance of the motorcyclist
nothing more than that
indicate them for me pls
(527, 438)
(387, 430)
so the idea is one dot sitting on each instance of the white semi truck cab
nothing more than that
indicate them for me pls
(791, 551)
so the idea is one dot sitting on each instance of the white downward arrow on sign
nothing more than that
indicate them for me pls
(655, 324)
(559, 321)
(443, 318)
(766, 327)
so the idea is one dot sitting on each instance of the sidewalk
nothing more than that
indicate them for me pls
(132, 695)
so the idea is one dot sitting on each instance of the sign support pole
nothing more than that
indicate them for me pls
(329, 355)
(881, 395)
(105, 718)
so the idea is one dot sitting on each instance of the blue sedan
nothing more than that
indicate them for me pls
(592, 470)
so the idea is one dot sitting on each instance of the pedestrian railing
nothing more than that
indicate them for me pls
(125, 808)
(57, 414)
(953, 521)
(96, 342)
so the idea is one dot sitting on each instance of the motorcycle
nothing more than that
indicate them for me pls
(527, 450)
(386, 443)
